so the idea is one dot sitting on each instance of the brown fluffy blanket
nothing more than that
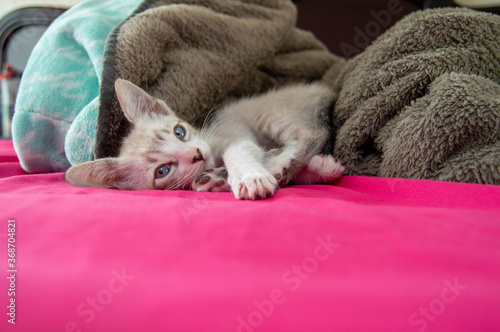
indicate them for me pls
(423, 101)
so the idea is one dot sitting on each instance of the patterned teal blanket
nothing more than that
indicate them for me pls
(56, 109)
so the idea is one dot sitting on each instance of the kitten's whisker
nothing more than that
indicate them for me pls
(207, 116)
(174, 185)
(196, 118)
(210, 131)
(211, 114)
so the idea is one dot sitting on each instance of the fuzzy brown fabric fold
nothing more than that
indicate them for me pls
(423, 101)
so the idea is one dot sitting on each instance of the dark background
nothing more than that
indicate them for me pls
(347, 26)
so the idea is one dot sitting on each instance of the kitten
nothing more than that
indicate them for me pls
(250, 147)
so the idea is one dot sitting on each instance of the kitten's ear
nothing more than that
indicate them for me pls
(105, 173)
(137, 103)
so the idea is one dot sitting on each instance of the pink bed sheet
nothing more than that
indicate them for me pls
(364, 254)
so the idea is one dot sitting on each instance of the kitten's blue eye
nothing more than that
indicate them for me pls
(162, 171)
(180, 132)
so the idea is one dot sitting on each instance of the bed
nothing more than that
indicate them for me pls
(364, 253)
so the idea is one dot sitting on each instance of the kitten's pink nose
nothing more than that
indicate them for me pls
(192, 155)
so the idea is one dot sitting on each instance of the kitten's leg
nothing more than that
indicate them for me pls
(300, 146)
(247, 176)
(280, 163)
(320, 169)
(213, 179)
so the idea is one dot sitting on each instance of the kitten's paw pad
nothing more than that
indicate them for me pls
(279, 167)
(326, 167)
(214, 179)
(254, 186)
(282, 177)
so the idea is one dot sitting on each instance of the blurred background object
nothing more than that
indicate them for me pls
(20, 30)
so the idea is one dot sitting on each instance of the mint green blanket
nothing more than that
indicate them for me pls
(58, 97)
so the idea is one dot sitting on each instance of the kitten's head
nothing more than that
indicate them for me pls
(161, 152)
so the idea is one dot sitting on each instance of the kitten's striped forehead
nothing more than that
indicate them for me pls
(160, 133)
(150, 137)
(160, 136)
(154, 141)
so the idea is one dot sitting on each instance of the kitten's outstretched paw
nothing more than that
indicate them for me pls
(213, 179)
(278, 167)
(320, 169)
(253, 186)
(282, 177)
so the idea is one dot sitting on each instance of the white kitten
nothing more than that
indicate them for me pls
(250, 147)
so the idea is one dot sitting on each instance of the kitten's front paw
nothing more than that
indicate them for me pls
(278, 167)
(257, 185)
(213, 179)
